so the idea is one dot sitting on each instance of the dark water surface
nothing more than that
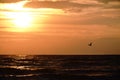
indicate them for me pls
(61, 67)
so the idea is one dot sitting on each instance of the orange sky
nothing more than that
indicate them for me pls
(27, 28)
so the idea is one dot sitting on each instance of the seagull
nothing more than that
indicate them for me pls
(90, 44)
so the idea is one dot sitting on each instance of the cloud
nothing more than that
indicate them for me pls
(113, 5)
(56, 4)
(9, 1)
(78, 7)
(108, 1)
(67, 6)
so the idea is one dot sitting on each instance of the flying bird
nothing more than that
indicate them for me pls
(90, 44)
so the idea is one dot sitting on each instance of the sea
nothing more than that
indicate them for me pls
(59, 67)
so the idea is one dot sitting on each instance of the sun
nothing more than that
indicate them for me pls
(21, 19)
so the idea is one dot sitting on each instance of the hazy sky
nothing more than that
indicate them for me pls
(59, 26)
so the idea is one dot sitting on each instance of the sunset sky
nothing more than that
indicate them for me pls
(59, 27)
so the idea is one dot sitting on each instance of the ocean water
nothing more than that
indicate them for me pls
(60, 67)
